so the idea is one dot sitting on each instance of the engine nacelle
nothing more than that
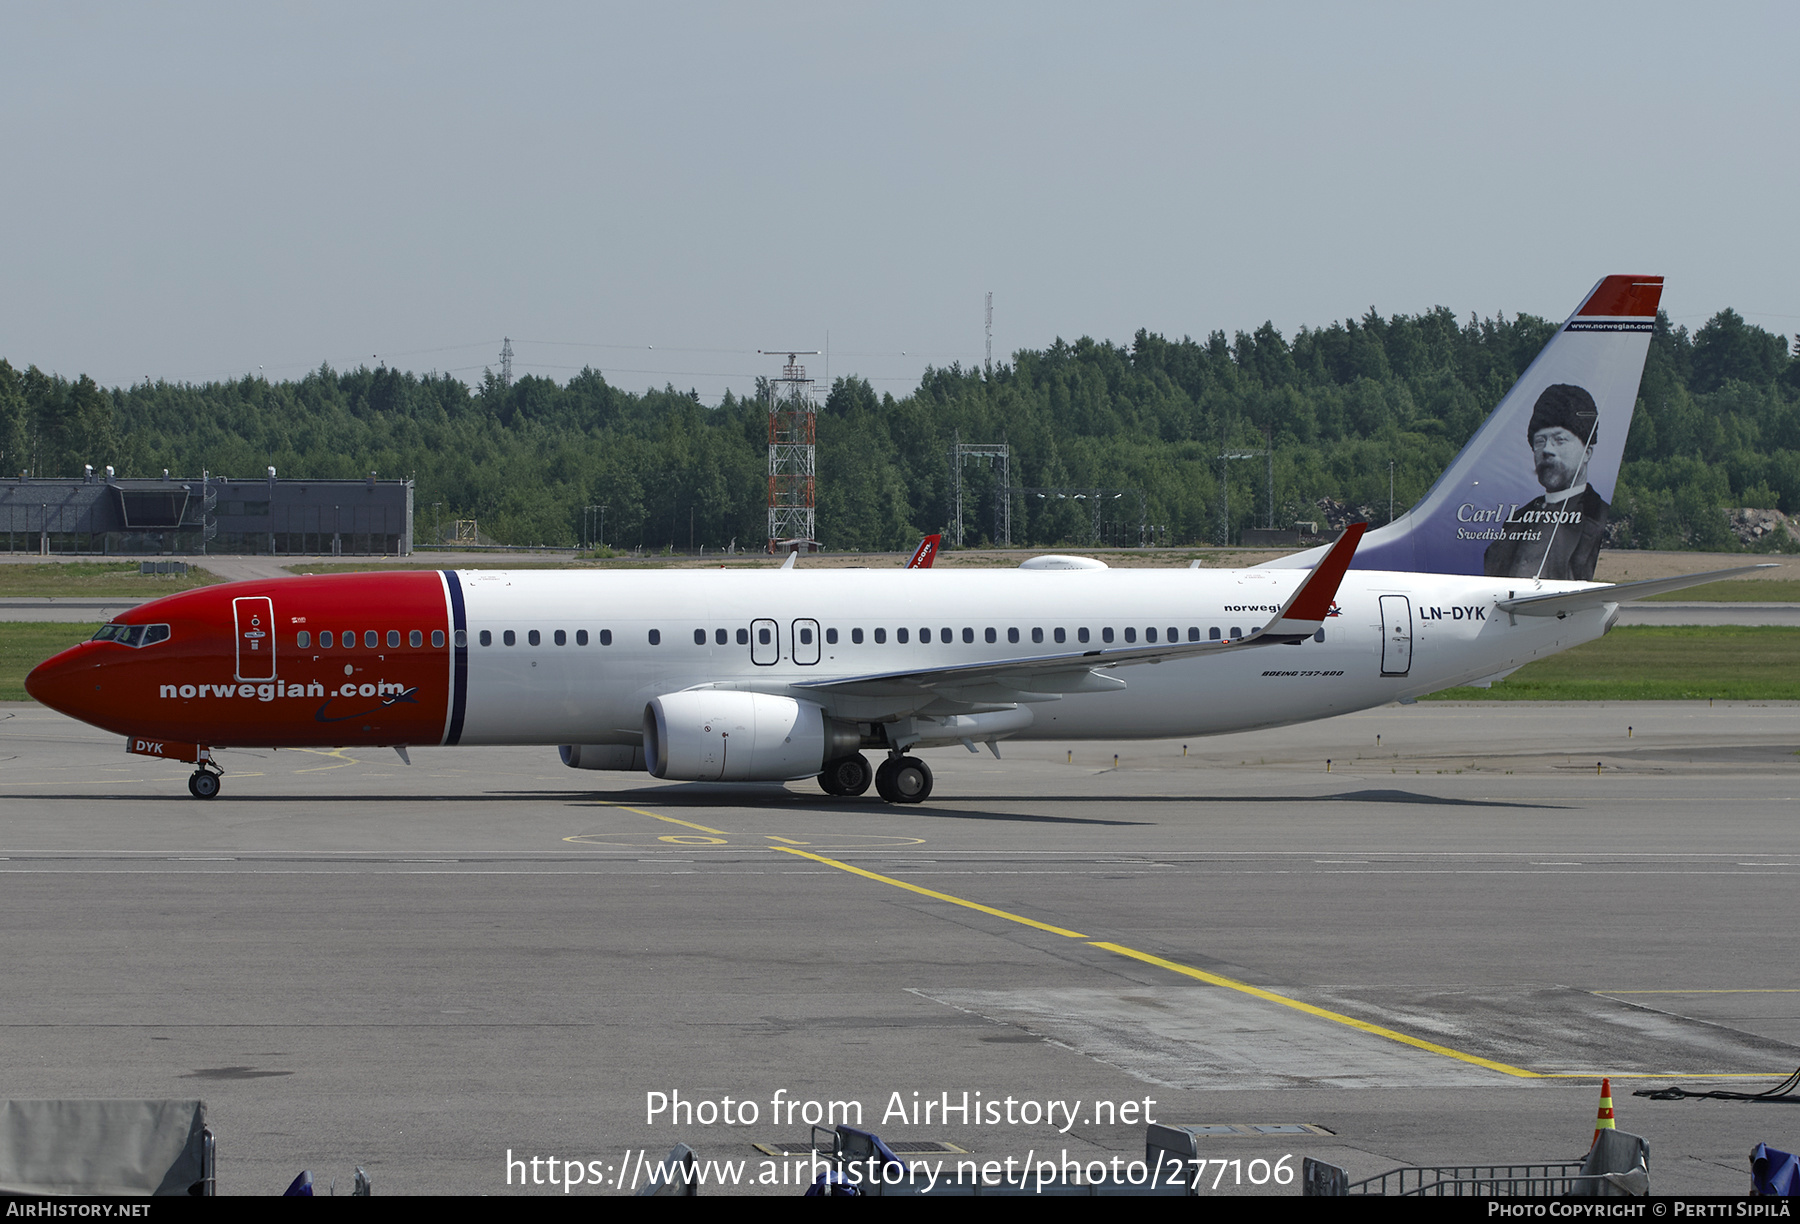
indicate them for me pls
(724, 735)
(602, 756)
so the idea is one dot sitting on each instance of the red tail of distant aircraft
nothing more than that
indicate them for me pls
(926, 553)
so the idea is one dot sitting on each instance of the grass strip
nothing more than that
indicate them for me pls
(1737, 590)
(106, 579)
(1659, 663)
(25, 644)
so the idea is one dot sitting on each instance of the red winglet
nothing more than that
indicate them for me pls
(1313, 600)
(1624, 297)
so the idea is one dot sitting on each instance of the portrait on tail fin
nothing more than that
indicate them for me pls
(1557, 535)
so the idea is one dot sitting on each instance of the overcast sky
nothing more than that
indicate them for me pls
(200, 191)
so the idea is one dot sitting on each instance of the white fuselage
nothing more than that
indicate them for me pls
(1395, 636)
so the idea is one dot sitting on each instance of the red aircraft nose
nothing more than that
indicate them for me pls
(68, 683)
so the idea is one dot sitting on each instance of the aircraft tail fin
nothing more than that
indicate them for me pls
(925, 553)
(1528, 496)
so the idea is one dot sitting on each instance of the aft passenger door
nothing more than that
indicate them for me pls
(1396, 635)
(806, 642)
(765, 643)
(255, 616)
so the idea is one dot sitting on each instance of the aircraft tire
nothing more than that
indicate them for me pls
(848, 776)
(203, 785)
(909, 781)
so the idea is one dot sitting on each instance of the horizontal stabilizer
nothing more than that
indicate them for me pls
(1563, 603)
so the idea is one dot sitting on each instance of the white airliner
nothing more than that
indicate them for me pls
(790, 673)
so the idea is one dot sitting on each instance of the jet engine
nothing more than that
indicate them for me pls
(602, 756)
(724, 735)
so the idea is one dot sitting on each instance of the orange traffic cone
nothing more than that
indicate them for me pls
(1604, 1119)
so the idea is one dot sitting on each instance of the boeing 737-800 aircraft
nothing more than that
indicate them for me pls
(780, 674)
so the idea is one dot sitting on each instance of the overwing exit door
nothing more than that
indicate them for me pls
(765, 643)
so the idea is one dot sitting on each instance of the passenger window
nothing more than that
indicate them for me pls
(393, 636)
(880, 637)
(325, 639)
(303, 639)
(762, 637)
(945, 634)
(656, 637)
(1149, 634)
(743, 637)
(509, 638)
(437, 639)
(968, 635)
(533, 637)
(581, 637)
(805, 636)
(487, 638)
(1012, 635)
(721, 638)
(831, 637)
(1037, 635)
(1061, 635)
(1236, 633)
(856, 637)
(991, 636)
(1106, 634)
(900, 636)
(561, 638)
(606, 637)
(1213, 634)
(1193, 633)
(699, 637)
(415, 639)
(371, 639)
(1130, 635)
(462, 639)
(1081, 635)
(1174, 634)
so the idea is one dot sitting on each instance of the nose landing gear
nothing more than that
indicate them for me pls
(203, 783)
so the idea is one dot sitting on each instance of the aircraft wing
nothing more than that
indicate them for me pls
(1564, 602)
(1045, 677)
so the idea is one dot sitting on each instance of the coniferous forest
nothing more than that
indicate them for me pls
(1717, 425)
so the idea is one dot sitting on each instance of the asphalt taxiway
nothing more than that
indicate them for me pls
(1426, 951)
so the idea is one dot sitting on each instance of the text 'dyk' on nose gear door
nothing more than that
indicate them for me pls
(765, 643)
(806, 641)
(1396, 635)
(255, 617)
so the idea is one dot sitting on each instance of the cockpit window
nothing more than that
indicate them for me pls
(133, 635)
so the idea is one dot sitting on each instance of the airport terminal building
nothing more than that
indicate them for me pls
(105, 515)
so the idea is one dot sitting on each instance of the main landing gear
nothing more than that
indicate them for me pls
(203, 783)
(901, 779)
(847, 776)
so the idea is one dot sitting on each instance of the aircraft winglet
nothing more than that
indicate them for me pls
(1306, 609)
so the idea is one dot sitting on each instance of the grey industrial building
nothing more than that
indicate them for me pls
(104, 515)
